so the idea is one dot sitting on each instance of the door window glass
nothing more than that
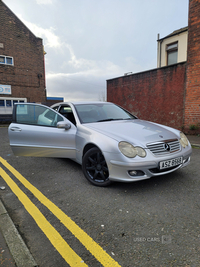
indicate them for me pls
(37, 115)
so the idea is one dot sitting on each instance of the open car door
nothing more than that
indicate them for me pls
(40, 131)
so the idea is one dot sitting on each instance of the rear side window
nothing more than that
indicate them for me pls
(37, 115)
(56, 108)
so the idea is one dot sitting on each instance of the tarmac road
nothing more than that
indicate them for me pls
(150, 223)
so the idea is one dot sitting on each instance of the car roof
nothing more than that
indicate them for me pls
(82, 102)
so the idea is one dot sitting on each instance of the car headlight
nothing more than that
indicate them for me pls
(130, 151)
(184, 141)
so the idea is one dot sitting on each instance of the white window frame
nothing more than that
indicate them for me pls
(5, 60)
(8, 109)
(171, 48)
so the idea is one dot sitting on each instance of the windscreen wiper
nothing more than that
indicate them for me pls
(106, 120)
(110, 119)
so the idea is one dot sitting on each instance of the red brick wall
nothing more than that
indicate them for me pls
(192, 95)
(169, 95)
(27, 76)
(156, 95)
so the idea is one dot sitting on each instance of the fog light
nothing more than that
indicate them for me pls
(132, 173)
(136, 173)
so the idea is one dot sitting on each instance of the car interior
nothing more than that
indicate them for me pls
(66, 111)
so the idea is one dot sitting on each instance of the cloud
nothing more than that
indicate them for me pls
(88, 82)
(50, 38)
(76, 86)
(89, 42)
(83, 51)
(84, 79)
(44, 2)
(74, 78)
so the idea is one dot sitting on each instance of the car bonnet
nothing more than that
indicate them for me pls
(137, 132)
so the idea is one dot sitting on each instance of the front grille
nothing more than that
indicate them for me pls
(165, 147)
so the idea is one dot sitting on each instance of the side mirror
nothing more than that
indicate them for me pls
(63, 125)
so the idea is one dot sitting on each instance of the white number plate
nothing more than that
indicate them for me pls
(170, 163)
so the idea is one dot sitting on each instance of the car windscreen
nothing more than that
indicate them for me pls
(89, 113)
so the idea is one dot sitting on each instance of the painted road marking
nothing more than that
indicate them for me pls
(96, 250)
(55, 238)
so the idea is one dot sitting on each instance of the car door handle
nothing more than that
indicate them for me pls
(15, 129)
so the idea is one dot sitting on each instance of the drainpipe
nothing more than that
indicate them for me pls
(159, 50)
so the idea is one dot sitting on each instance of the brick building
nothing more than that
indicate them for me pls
(169, 95)
(192, 86)
(22, 72)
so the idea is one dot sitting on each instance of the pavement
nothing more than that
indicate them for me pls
(13, 250)
(194, 140)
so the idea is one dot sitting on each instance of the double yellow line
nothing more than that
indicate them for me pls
(55, 238)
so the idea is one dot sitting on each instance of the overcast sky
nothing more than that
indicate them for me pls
(88, 41)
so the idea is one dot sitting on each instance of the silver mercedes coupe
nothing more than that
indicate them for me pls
(109, 142)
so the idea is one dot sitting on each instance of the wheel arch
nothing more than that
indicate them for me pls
(88, 147)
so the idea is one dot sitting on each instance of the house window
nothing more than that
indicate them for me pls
(2, 60)
(1, 103)
(172, 53)
(6, 60)
(8, 103)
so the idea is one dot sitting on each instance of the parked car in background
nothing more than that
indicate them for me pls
(109, 142)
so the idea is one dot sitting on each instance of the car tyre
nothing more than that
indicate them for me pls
(95, 168)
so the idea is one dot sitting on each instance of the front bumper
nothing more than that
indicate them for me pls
(144, 169)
